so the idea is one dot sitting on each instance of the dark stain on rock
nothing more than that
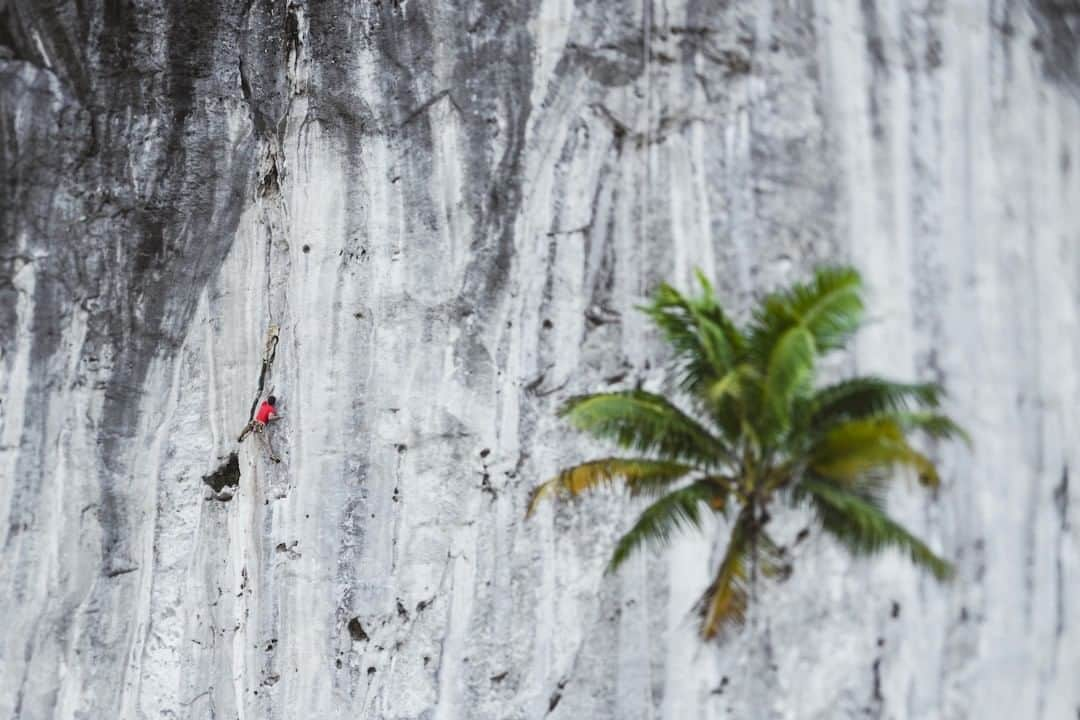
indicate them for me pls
(1061, 498)
(1058, 26)
(114, 572)
(556, 696)
(228, 474)
(292, 29)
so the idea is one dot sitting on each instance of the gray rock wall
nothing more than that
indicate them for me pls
(450, 211)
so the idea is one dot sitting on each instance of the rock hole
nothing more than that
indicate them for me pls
(485, 452)
(356, 630)
(554, 701)
(338, 663)
(548, 324)
(371, 670)
(269, 182)
(226, 475)
(292, 30)
(895, 610)
(306, 249)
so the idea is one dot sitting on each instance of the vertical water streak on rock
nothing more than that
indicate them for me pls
(451, 210)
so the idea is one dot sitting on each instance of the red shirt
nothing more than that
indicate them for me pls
(265, 411)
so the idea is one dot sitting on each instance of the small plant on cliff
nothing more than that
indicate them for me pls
(758, 433)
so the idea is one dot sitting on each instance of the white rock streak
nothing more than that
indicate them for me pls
(384, 569)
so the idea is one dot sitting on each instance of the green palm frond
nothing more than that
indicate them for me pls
(706, 342)
(858, 447)
(861, 525)
(733, 399)
(723, 605)
(734, 384)
(788, 375)
(791, 328)
(936, 425)
(678, 510)
(863, 397)
(830, 308)
(647, 423)
(639, 475)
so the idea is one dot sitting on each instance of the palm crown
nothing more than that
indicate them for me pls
(758, 431)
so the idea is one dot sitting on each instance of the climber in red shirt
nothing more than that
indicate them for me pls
(267, 412)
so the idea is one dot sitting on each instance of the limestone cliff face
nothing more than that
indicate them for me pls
(449, 210)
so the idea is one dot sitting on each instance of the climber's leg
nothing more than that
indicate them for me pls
(264, 440)
(246, 431)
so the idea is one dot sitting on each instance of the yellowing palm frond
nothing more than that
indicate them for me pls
(639, 475)
(858, 447)
(723, 606)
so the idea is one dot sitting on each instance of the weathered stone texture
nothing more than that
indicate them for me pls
(450, 209)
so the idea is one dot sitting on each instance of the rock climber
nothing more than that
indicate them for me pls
(266, 413)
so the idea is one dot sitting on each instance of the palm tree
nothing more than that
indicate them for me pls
(757, 433)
